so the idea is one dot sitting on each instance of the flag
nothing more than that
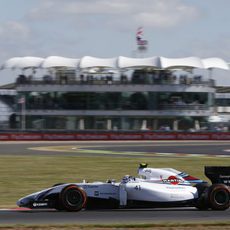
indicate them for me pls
(139, 37)
(142, 42)
(21, 100)
(139, 33)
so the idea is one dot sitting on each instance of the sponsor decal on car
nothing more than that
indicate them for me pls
(89, 186)
(172, 180)
(40, 205)
(108, 193)
(96, 193)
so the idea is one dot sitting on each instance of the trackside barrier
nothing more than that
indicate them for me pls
(114, 136)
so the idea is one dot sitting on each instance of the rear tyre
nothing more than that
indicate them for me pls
(219, 197)
(202, 203)
(72, 198)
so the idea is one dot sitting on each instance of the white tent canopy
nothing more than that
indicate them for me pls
(127, 62)
(210, 63)
(10, 63)
(58, 61)
(29, 62)
(23, 62)
(88, 62)
(184, 63)
(91, 62)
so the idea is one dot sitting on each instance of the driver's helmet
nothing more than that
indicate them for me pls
(126, 178)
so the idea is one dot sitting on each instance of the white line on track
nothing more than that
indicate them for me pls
(15, 209)
(82, 149)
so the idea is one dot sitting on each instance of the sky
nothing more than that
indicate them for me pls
(107, 28)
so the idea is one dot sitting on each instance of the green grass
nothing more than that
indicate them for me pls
(21, 175)
(158, 226)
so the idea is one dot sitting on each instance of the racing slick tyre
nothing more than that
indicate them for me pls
(57, 184)
(72, 198)
(202, 203)
(219, 197)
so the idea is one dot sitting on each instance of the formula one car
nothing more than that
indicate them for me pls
(155, 187)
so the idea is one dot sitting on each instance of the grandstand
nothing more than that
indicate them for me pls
(122, 93)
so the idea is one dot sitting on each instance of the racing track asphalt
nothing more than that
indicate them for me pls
(147, 147)
(115, 216)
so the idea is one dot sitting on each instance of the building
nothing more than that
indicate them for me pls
(122, 93)
(222, 102)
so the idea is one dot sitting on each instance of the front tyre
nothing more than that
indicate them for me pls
(72, 198)
(218, 197)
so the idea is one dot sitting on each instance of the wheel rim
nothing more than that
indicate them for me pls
(221, 197)
(73, 197)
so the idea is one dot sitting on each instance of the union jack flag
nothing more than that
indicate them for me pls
(21, 100)
(139, 33)
(139, 37)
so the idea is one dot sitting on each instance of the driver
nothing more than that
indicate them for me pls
(126, 179)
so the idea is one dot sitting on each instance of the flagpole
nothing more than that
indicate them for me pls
(23, 116)
(23, 113)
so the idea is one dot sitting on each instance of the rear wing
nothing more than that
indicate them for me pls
(218, 174)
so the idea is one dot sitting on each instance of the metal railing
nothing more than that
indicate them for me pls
(111, 81)
(184, 107)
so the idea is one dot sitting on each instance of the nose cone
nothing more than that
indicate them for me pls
(23, 202)
(20, 203)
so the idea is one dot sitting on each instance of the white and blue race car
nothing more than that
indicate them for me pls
(155, 187)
